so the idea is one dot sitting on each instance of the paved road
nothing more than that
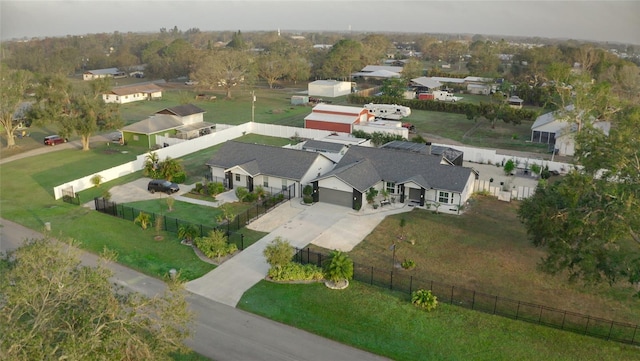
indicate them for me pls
(221, 332)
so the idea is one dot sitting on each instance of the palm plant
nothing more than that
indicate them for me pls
(187, 232)
(144, 219)
(151, 165)
(169, 168)
(338, 267)
(424, 299)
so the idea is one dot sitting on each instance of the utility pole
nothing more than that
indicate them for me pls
(253, 105)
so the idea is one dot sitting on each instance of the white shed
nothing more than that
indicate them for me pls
(329, 88)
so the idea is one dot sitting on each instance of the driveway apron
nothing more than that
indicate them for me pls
(229, 281)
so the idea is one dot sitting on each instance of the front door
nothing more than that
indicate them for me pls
(229, 177)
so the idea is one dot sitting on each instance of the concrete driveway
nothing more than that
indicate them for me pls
(324, 224)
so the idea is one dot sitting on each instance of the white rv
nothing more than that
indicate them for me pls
(388, 111)
(445, 96)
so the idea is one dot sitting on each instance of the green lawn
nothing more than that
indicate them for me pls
(486, 249)
(385, 323)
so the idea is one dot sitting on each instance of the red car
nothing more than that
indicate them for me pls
(54, 139)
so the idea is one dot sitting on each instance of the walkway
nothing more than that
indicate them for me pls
(323, 224)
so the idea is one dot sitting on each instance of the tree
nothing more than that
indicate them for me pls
(412, 69)
(54, 308)
(589, 221)
(82, 114)
(12, 94)
(151, 165)
(298, 68)
(345, 57)
(237, 42)
(169, 168)
(224, 68)
(338, 267)
(271, 67)
(394, 87)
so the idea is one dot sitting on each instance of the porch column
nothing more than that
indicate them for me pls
(422, 197)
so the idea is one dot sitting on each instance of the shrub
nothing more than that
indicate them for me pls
(338, 267)
(545, 173)
(296, 272)
(371, 194)
(535, 168)
(307, 199)
(187, 232)
(408, 264)
(215, 245)
(180, 177)
(144, 219)
(509, 166)
(278, 253)
(424, 299)
(215, 188)
(96, 180)
(242, 193)
(307, 190)
(198, 187)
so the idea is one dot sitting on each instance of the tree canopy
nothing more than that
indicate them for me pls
(589, 220)
(12, 101)
(54, 308)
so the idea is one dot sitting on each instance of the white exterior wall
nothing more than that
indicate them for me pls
(193, 118)
(334, 183)
(335, 90)
(321, 165)
(566, 145)
(369, 128)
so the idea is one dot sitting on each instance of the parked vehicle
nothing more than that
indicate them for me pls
(445, 96)
(388, 111)
(161, 185)
(54, 139)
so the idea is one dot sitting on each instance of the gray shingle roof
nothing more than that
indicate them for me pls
(360, 175)
(323, 146)
(182, 110)
(260, 159)
(401, 166)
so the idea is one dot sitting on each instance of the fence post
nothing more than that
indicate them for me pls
(563, 317)
(308, 255)
(633, 338)
(586, 327)
(610, 329)
(495, 305)
(410, 284)
(473, 300)
(241, 242)
(451, 295)
(391, 283)
(540, 315)
(371, 283)
(518, 310)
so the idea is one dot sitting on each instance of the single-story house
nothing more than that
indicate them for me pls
(337, 118)
(419, 179)
(515, 102)
(274, 168)
(329, 88)
(132, 93)
(424, 83)
(559, 134)
(372, 68)
(479, 89)
(103, 73)
(378, 74)
(184, 121)
(546, 127)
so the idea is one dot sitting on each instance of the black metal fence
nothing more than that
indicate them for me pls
(518, 310)
(171, 224)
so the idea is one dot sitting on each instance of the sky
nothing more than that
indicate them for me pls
(605, 20)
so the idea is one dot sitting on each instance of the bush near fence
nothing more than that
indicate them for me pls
(478, 301)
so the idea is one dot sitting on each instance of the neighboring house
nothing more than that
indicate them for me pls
(329, 88)
(425, 84)
(379, 71)
(479, 89)
(331, 150)
(103, 73)
(419, 179)
(337, 118)
(372, 68)
(559, 134)
(133, 93)
(515, 102)
(184, 121)
(274, 168)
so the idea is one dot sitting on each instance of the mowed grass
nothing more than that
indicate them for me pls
(486, 249)
(385, 323)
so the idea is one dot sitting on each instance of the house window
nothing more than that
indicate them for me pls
(284, 184)
(265, 181)
(135, 137)
(237, 177)
(443, 197)
(391, 187)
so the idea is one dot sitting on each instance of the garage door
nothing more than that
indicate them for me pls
(333, 196)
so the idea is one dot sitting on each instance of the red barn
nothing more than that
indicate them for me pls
(336, 118)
